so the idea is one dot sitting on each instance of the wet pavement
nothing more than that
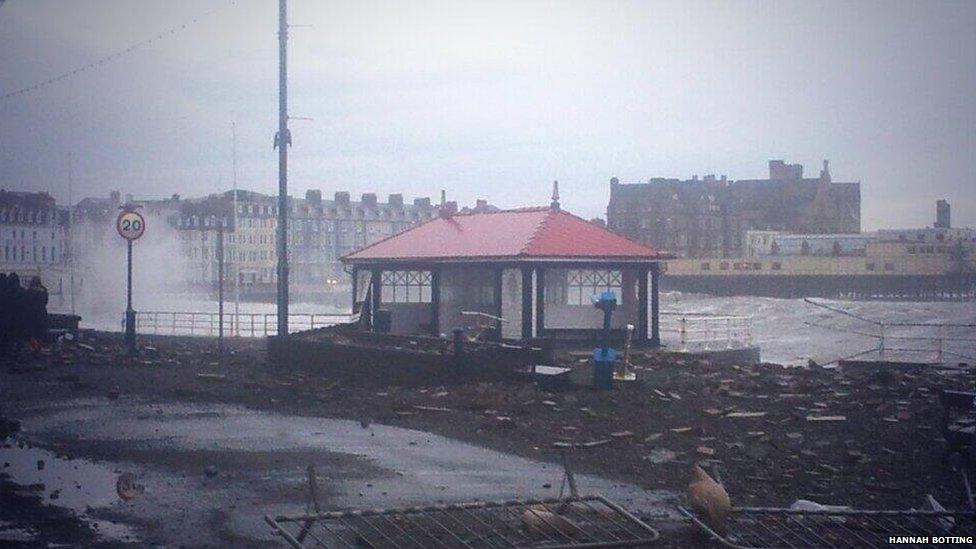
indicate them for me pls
(210, 472)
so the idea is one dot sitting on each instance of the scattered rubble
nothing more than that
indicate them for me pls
(840, 436)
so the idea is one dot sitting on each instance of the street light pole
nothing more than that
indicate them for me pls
(235, 239)
(283, 141)
(220, 288)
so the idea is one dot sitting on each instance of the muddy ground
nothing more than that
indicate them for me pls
(855, 436)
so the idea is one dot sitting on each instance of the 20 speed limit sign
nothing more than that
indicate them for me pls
(130, 225)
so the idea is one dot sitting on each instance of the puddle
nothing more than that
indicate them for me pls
(261, 461)
(73, 483)
(422, 467)
(76, 484)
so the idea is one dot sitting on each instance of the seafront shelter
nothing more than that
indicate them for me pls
(528, 273)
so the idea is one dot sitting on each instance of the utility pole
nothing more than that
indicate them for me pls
(283, 141)
(236, 238)
(70, 245)
(220, 287)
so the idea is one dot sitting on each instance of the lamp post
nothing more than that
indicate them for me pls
(282, 142)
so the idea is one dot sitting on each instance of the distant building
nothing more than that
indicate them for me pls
(777, 243)
(709, 217)
(319, 232)
(32, 235)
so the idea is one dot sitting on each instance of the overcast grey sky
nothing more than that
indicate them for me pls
(496, 99)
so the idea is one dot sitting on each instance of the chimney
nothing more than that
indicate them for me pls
(481, 204)
(369, 199)
(342, 197)
(313, 197)
(943, 218)
(422, 202)
(555, 196)
(781, 170)
(443, 197)
(395, 199)
(115, 197)
(614, 182)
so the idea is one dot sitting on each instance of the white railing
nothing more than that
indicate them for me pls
(937, 342)
(700, 331)
(185, 323)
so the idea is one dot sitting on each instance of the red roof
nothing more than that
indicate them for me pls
(541, 233)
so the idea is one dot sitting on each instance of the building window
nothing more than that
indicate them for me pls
(723, 266)
(889, 266)
(406, 287)
(776, 266)
(706, 266)
(869, 266)
(911, 249)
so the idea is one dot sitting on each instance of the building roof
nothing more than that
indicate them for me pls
(528, 233)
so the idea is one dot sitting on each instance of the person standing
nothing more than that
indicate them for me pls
(35, 305)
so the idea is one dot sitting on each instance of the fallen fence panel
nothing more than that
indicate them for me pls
(588, 522)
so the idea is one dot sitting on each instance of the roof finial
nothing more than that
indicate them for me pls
(555, 196)
(825, 172)
(443, 197)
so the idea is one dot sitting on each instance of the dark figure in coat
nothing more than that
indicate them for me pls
(35, 313)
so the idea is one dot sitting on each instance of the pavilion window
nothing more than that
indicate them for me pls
(406, 286)
(578, 286)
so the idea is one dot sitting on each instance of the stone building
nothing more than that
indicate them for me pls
(319, 232)
(709, 217)
(32, 236)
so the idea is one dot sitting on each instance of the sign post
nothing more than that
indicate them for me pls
(130, 225)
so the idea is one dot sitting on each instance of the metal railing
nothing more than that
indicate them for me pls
(186, 323)
(938, 342)
(702, 331)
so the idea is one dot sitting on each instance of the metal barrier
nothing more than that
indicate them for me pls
(701, 331)
(908, 339)
(239, 325)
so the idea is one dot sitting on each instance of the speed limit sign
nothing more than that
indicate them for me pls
(130, 225)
